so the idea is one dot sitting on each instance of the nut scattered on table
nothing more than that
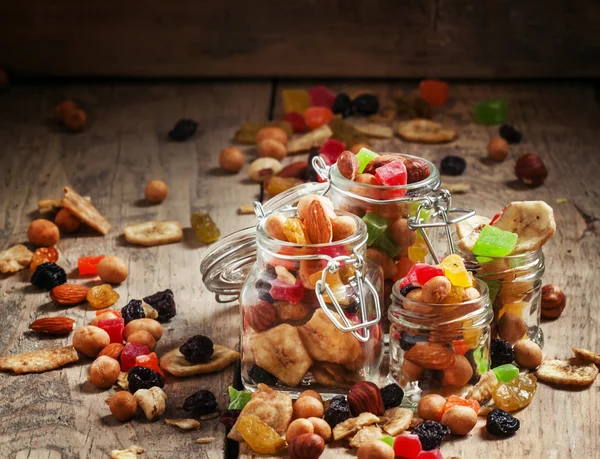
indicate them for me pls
(43, 233)
(553, 301)
(232, 159)
(531, 170)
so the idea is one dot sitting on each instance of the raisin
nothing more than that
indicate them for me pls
(132, 311)
(501, 423)
(183, 130)
(229, 418)
(509, 133)
(431, 434)
(311, 173)
(263, 288)
(407, 340)
(205, 228)
(392, 395)
(453, 165)
(260, 375)
(201, 402)
(338, 411)
(342, 105)
(143, 378)
(270, 273)
(48, 275)
(164, 303)
(197, 349)
(408, 288)
(366, 104)
(501, 352)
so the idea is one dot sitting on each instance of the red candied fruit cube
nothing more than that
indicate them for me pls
(321, 96)
(431, 454)
(88, 265)
(331, 150)
(114, 328)
(286, 292)
(421, 273)
(392, 174)
(407, 446)
(148, 361)
(297, 121)
(130, 352)
(434, 92)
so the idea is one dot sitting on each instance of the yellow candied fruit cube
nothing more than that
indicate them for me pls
(515, 308)
(418, 251)
(295, 100)
(295, 231)
(455, 271)
(471, 336)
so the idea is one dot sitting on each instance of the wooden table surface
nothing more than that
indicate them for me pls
(61, 415)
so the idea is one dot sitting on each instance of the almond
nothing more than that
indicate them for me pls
(261, 316)
(318, 224)
(434, 356)
(112, 350)
(294, 170)
(68, 294)
(347, 164)
(53, 325)
(365, 396)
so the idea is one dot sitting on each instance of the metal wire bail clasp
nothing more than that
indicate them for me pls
(441, 205)
(361, 330)
(321, 168)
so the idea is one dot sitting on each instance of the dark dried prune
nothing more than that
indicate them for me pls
(229, 418)
(407, 341)
(501, 352)
(183, 130)
(270, 272)
(311, 173)
(164, 303)
(132, 311)
(197, 349)
(338, 411)
(392, 395)
(453, 165)
(408, 288)
(342, 105)
(48, 275)
(143, 378)
(509, 133)
(263, 290)
(366, 104)
(501, 423)
(431, 434)
(260, 375)
(201, 402)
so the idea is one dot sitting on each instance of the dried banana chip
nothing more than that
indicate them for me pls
(425, 131)
(375, 130)
(84, 210)
(353, 425)
(365, 435)
(398, 420)
(466, 227)
(183, 423)
(586, 355)
(345, 132)
(333, 375)
(154, 233)
(174, 362)
(307, 141)
(15, 259)
(39, 361)
(573, 372)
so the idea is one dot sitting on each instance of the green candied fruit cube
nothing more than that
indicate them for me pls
(387, 439)
(376, 226)
(506, 373)
(364, 157)
(481, 361)
(493, 111)
(386, 245)
(494, 242)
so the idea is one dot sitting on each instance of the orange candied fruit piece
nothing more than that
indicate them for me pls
(88, 265)
(460, 346)
(434, 92)
(41, 256)
(149, 361)
(455, 400)
(317, 116)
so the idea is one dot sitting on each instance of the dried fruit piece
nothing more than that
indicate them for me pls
(276, 185)
(352, 425)
(174, 362)
(102, 296)
(398, 420)
(297, 121)
(295, 231)
(345, 132)
(48, 276)
(143, 378)
(183, 130)
(516, 394)
(114, 328)
(53, 325)
(261, 437)
(342, 105)
(149, 361)
(501, 423)
(246, 133)
(365, 104)
(153, 233)
(431, 434)
(337, 411)
(331, 150)
(321, 96)
(84, 210)
(88, 265)
(39, 361)
(392, 395)
(310, 140)
(317, 116)
(434, 356)
(19, 257)
(69, 294)
(197, 349)
(132, 311)
(130, 353)
(588, 356)
(164, 303)
(295, 100)
(375, 130)
(572, 372)
(201, 402)
(455, 400)
(425, 131)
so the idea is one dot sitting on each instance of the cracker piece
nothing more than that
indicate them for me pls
(39, 361)
(586, 355)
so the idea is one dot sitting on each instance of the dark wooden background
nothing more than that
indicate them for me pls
(301, 38)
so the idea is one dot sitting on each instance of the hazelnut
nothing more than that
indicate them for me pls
(232, 159)
(308, 407)
(298, 427)
(311, 393)
(431, 407)
(156, 191)
(122, 405)
(104, 372)
(305, 202)
(357, 147)
(90, 340)
(43, 233)
(511, 327)
(343, 227)
(142, 337)
(107, 314)
(459, 374)
(321, 428)
(64, 108)
(528, 354)
(436, 289)
(401, 233)
(497, 149)
(272, 132)
(365, 396)
(66, 221)
(112, 270)
(150, 325)
(553, 301)
(416, 169)
(347, 164)
(384, 260)
(375, 449)
(306, 446)
(460, 419)
(274, 225)
(530, 169)
(262, 169)
(75, 120)
(271, 148)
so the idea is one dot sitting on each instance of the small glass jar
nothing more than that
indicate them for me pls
(515, 286)
(438, 348)
(310, 314)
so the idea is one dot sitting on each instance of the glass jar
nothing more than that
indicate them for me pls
(310, 314)
(515, 286)
(438, 348)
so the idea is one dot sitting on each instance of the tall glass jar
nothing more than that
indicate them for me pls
(310, 314)
(438, 348)
(515, 286)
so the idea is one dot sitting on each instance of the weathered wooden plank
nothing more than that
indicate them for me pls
(381, 38)
(124, 147)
